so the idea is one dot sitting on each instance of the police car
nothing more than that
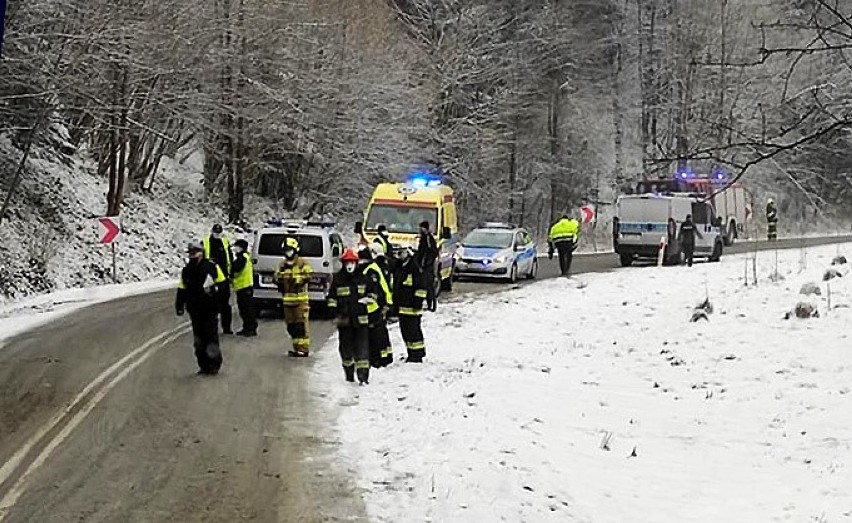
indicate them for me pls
(319, 245)
(497, 250)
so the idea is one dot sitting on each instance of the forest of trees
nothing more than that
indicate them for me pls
(532, 106)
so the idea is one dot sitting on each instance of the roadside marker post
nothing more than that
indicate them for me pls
(662, 255)
(109, 229)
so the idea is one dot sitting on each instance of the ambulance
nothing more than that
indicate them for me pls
(401, 207)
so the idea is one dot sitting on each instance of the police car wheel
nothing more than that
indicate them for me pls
(513, 274)
(533, 270)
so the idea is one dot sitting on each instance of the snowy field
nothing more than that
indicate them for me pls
(595, 399)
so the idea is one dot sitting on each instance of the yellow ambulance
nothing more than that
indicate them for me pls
(401, 207)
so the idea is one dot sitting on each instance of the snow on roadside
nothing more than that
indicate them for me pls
(22, 316)
(596, 399)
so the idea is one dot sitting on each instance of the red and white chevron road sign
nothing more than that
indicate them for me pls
(109, 229)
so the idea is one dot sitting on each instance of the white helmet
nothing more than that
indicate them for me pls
(377, 250)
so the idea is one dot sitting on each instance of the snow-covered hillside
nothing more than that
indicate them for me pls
(596, 399)
(50, 243)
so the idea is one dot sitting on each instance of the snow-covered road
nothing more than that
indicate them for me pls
(596, 399)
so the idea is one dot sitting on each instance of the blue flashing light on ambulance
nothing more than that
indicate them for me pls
(401, 207)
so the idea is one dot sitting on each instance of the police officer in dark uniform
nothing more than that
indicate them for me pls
(687, 234)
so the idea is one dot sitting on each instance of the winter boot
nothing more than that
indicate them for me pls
(364, 376)
(349, 372)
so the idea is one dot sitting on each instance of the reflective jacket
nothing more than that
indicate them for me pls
(292, 280)
(242, 274)
(564, 230)
(386, 245)
(200, 282)
(217, 256)
(385, 300)
(343, 298)
(409, 289)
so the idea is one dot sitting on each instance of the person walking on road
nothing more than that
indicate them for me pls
(201, 284)
(242, 279)
(292, 277)
(687, 234)
(217, 248)
(563, 237)
(381, 351)
(408, 295)
(427, 256)
(351, 300)
(771, 220)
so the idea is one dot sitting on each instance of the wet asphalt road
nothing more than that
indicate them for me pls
(102, 421)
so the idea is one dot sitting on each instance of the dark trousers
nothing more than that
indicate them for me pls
(431, 292)
(205, 335)
(412, 333)
(224, 298)
(354, 345)
(688, 253)
(772, 231)
(381, 352)
(566, 256)
(245, 304)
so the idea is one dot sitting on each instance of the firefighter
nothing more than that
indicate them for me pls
(381, 351)
(351, 299)
(217, 247)
(427, 255)
(242, 279)
(201, 284)
(771, 220)
(563, 237)
(410, 290)
(292, 277)
(687, 234)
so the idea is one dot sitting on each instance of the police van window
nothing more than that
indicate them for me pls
(700, 212)
(309, 246)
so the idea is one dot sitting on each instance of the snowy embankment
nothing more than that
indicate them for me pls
(50, 239)
(596, 399)
(24, 315)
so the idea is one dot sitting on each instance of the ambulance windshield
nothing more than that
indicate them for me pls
(401, 219)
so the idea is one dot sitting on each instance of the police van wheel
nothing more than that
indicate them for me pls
(717, 252)
(626, 260)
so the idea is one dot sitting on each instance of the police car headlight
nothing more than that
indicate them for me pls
(502, 259)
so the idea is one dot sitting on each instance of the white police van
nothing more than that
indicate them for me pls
(644, 222)
(319, 245)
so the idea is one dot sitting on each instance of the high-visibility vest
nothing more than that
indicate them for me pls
(245, 278)
(383, 282)
(226, 244)
(564, 229)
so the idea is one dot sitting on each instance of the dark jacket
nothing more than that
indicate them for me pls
(409, 289)
(343, 298)
(688, 231)
(427, 251)
(191, 294)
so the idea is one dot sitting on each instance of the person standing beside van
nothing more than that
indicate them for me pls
(292, 277)
(427, 255)
(217, 248)
(687, 234)
(242, 279)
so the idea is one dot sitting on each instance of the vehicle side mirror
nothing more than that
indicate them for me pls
(335, 251)
(518, 248)
(446, 233)
(359, 228)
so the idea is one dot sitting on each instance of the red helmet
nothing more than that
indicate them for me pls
(349, 256)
